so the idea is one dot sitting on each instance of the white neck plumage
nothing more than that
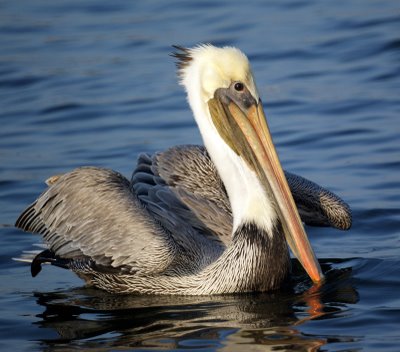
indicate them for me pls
(248, 199)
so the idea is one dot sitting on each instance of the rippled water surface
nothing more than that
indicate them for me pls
(91, 83)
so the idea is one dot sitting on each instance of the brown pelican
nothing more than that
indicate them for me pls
(190, 221)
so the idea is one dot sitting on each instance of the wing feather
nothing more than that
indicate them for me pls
(186, 186)
(318, 206)
(93, 212)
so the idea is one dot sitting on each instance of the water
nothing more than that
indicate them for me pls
(90, 83)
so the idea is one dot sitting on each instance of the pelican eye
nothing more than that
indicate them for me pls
(239, 86)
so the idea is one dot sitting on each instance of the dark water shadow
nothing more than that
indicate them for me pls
(94, 320)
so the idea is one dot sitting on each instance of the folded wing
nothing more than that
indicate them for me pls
(92, 213)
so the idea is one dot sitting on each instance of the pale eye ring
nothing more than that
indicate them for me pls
(239, 86)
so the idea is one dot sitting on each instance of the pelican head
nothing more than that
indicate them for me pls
(223, 96)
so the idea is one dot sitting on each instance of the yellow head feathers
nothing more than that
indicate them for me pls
(216, 68)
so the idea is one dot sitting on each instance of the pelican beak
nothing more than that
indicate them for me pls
(244, 128)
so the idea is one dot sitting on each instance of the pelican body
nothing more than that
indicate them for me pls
(192, 220)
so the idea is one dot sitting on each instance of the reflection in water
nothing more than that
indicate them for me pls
(93, 319)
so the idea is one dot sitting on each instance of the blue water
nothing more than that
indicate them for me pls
(91, 83)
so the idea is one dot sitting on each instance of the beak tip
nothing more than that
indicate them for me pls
(318, 278)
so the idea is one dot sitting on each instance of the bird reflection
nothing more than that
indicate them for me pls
(96, 320)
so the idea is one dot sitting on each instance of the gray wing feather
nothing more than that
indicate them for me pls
(192, 176)
(318, 206)
(92, 212)
(186, 185)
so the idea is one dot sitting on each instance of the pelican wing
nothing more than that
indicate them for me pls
(318, 206)
(181, 186)
(91, 213)
(182, 182)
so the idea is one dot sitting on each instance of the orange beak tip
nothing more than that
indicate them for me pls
(319, 280)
